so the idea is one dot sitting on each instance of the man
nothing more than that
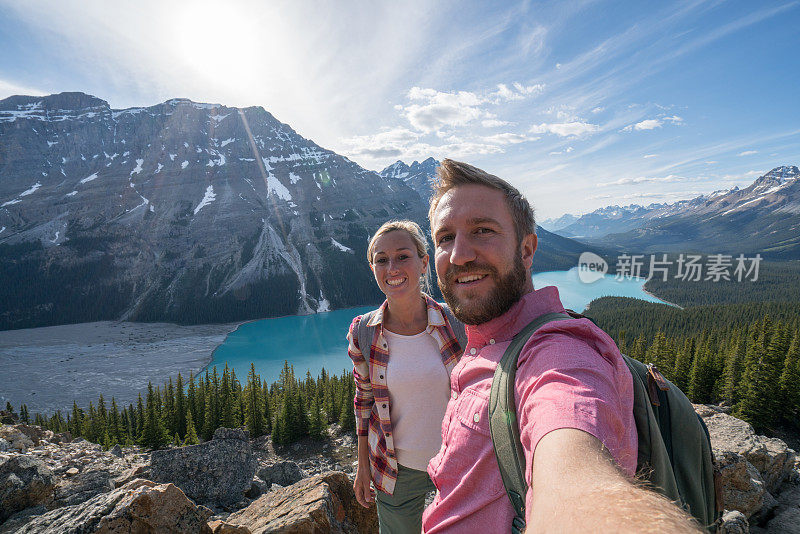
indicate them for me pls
(574, 393)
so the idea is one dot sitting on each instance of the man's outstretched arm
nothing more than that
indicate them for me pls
(577, 487)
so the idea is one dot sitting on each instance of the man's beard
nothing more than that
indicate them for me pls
(508, 290)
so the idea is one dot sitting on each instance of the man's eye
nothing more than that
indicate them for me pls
(445, 238)
(380, 260)
(484, 231)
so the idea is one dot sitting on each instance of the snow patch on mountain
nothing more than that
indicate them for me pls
(89, 178)
(184, 164)
(209, 197)
(341, 247)
(293, 178)
(32, 189)
(138, 168)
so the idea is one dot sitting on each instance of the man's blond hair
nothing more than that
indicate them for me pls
(452, 173)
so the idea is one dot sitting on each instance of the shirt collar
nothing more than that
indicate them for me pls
(435, 314)
(505, 327)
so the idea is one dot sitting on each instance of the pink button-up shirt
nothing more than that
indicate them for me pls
(570, 375)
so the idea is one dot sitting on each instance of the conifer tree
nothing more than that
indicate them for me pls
(154, 435)
(254, 413)
(139, 418)
(227, 400)
(315, 424)
(701, 377)
(347, 416)
(114, 424)
(683, 364)
(180, 407)
(191, 433)
(755, 381)
(23, 414)
(790, 383)
(734, 362)
(266, 407)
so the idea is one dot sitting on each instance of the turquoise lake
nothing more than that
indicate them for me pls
(311, 342)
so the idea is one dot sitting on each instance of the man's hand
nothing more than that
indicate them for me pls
(577, 487)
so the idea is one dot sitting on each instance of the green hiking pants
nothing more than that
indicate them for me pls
(401, 513)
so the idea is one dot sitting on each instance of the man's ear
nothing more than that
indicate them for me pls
(528, 248)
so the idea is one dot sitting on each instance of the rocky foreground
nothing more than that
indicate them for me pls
(231, 484)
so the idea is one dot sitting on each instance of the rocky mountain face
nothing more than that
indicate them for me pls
(763, 217)
(231, 484)
(189, 213)
(180, 212)
(418, 176)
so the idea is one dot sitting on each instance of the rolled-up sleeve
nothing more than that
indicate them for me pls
(364, 399)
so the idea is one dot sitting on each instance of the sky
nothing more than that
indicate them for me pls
(580, 104)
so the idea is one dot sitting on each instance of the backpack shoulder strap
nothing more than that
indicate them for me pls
(456, 325)
(365, 332)
(503, 420)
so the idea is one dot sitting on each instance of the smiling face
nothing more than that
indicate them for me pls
(481, 266)
(396, 265)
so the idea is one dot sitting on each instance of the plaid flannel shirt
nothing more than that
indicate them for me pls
(372, 406)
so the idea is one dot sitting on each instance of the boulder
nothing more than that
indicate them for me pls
(4, 445)
(281, 473)
(62, 437)
(116, 450)
(82, 487)
(221, 527)
(742, 486)
(24, 482)
(770, 456)
(733, 522)
(35, 433)
(217, 472)
(139, 506)
(18, 440)
(322, 503)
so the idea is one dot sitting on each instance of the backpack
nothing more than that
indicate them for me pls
(674, 456)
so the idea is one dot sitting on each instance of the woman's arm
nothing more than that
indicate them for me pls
(363, 474)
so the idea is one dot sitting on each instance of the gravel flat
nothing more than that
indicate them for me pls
(47, 368)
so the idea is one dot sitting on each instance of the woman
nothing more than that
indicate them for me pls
(402, 355)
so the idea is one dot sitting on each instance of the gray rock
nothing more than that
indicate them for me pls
(116, 450)
(733, 522)
(770, 456)
(283, 473)
(82, 487)
(4, 445)
(20, 519)
(24, 482)
(743, 488)
(323, 503)
(139, 506)
(217, 472)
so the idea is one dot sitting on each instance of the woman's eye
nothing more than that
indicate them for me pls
(380, 260)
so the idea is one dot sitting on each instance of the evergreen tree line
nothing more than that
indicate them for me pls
(753, 368)
(183, 413)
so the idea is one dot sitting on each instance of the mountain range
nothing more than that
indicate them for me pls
(761, 218)
(190, 213)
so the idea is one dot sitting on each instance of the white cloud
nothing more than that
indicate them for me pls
(674, 119)
(492, 123)
(643, 180)
(8, 88)
(648, 156)
(432, 110)
(508, 138)
(748, 153)
(388, 143)
(648, 124)
(565, 151)
(598, 109)
(566, 129)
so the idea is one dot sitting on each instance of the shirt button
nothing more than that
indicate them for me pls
(473, 350)
(476, 417)
(384, 406)
(454, 395)
(381, 377)
(491, 342)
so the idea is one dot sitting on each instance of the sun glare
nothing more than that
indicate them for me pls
(220, 43)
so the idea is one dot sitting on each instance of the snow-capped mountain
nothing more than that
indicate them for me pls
(763, 217)
(419, 175)
(181, 212)
(554, 225)
(188, 212)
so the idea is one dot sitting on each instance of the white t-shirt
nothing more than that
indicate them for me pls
(419, 388)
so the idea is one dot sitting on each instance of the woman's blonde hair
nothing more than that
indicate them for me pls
(417, 236)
